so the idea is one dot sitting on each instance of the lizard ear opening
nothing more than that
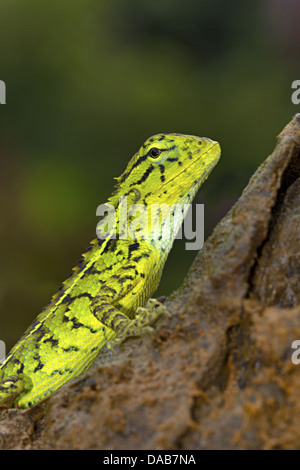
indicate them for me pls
(136, 194)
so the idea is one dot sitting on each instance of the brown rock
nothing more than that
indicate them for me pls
(218, 374)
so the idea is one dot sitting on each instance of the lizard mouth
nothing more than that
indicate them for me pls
(208, 168)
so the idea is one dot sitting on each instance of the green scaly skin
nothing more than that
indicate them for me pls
(103, 299)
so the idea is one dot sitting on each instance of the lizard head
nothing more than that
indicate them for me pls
(169, 169)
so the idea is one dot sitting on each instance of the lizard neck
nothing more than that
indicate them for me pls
(157, 224)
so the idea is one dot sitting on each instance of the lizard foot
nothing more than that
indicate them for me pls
(10, 388)
(141, 324)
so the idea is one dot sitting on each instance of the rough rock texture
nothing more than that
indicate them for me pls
(218, 373)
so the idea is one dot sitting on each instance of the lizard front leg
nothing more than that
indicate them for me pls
(109, 305)
(121, 324)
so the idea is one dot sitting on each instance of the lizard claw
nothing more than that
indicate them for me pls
(141, 325)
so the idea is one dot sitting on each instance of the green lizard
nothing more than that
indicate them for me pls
(103, 298)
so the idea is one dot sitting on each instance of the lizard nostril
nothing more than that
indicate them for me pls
(200, 142)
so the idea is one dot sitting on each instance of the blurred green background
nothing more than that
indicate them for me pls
(88, 81)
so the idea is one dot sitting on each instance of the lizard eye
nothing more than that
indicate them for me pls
(155, 152)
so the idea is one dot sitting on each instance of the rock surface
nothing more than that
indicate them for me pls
(218, 374)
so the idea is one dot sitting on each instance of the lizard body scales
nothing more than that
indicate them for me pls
(104, 297)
